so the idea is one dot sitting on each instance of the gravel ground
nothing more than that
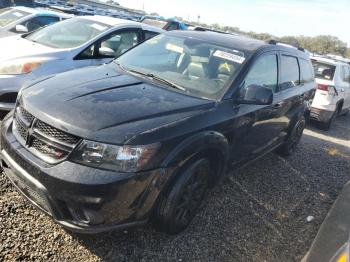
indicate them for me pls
(257, 214)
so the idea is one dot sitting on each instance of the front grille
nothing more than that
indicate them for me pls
(26, 115)
(55, 133)
(47, 150)
(47, 142)
(22, 131)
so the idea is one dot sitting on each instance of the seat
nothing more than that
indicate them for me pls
(198, 67)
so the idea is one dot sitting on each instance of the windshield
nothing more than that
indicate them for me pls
(11, 16)
(69, 33)
(154, 22)
(323, 70)
(195, 66)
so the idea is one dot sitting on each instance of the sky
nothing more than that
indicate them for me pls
(277, 17)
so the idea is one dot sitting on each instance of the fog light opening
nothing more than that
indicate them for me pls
(86, 216)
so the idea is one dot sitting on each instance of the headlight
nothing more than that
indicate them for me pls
(18, 67)
(119, 158)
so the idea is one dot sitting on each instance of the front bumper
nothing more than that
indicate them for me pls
(80, 198)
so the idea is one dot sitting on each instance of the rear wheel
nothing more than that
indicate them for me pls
(180, 203)
(293, 140)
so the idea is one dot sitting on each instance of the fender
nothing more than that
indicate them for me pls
(200, 142)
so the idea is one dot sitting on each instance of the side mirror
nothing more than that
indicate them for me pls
(21, 29)
(106, 52)
(257, 95)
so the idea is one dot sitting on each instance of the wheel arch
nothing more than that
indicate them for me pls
(209, 144)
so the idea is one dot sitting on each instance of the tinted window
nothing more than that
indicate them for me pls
(37, 22)
(149, 34)
(307, 75)
(264, 73)
(346, 74)
(119, 42)
(323, 70)
(173, 26)
(290, 72)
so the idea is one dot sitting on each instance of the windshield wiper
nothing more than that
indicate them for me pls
(152, 76)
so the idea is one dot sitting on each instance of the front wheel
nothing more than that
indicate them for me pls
(293, 140)
(180, 203)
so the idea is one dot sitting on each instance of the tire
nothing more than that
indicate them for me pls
(294, 137)
(180, 203)
(327, 125)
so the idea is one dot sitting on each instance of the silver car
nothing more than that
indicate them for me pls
(73, 43)
(19, 20)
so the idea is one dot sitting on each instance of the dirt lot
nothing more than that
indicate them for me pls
(258, 214)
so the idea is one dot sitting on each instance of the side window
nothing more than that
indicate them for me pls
(264, 72)
(40, 21)
(118, 42)
(307, 75)
(173, 26)
(346, 74)
(290, 72)
(149, 34)
(121, 41)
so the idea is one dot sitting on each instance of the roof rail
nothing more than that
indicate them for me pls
(275, 42)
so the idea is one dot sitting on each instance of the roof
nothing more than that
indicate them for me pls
(328, 60)
(109, 20)
(227, 40)
(118, 21)
(40, 11)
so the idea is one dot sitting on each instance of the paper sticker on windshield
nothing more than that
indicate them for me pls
(175, 48)
(229, 56)
(98, 27)
(17, 14)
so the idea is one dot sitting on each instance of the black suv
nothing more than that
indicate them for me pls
(144, 137)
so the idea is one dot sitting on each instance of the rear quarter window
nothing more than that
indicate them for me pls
(290, 76)
(307, 74)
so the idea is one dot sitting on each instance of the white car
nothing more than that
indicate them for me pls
(332, 97)
(19, 20)
(70, 44)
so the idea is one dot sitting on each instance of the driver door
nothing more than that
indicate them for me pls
(257, 128)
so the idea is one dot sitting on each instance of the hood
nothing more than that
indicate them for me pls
(5, 33)
(16, 47)
(103, 104)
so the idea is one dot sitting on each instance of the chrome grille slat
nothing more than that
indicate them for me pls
(47, 142)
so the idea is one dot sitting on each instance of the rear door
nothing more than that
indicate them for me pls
(346, 87)
(291, 90)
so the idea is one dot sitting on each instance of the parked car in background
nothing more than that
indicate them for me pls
(146, 135)
(77, 42)
(20, 20)
(333, 90)
(5, 3)
(167, 24)
(27, 3)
